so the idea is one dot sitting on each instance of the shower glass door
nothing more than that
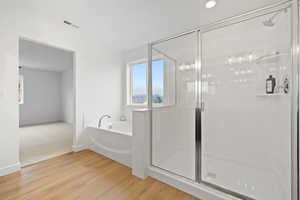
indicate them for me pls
(173, 105)
(245, 131)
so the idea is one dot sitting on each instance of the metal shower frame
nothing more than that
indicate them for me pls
(294, 6)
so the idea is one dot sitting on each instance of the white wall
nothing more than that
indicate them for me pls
(48, 96)
(67, 96)
(98, 72)
(42, 97)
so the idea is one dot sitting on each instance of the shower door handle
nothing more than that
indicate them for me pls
(202, 106)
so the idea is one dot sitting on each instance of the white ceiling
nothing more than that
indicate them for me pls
(40, 56)
(125, 24)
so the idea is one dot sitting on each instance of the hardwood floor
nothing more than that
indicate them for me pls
(85, 176)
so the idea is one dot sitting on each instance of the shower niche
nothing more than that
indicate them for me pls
(225, 128)
(276, 66)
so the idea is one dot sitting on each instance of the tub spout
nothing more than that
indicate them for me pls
(101, 118)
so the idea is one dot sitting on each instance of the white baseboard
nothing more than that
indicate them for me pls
(77, 148)
(10, 169)
(120, 158)
(198, 190)
(31, 162)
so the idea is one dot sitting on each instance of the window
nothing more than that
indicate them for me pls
(157, 81)
(138, 82)
(21, 90)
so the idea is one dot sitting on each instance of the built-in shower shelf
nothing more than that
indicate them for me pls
(271, 95)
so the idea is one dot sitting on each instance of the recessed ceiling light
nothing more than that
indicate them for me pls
(210, 3)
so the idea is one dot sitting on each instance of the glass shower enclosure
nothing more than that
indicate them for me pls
(227, 118)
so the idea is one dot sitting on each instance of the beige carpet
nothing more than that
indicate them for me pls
(45, 141)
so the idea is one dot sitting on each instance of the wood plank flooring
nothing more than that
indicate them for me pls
(83, 176)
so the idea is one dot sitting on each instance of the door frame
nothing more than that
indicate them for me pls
(74, 83)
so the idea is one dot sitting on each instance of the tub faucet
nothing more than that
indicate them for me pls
(101, 118)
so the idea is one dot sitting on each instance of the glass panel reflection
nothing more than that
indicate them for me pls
(246, 124)
(173, 121)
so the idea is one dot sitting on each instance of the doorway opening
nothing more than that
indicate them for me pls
(46, 101)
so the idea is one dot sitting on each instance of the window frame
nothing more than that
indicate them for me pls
(129, 78)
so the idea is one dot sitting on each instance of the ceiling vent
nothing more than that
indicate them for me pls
(71, 24)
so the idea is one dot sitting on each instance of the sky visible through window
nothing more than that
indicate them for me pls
(139, 82)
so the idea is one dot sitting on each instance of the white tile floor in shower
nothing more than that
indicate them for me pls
(44, 141)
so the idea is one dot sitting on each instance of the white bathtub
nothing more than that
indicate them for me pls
(112, 140)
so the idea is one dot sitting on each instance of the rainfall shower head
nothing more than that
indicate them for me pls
(270, 22)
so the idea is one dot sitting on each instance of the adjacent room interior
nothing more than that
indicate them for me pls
(46, 101)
